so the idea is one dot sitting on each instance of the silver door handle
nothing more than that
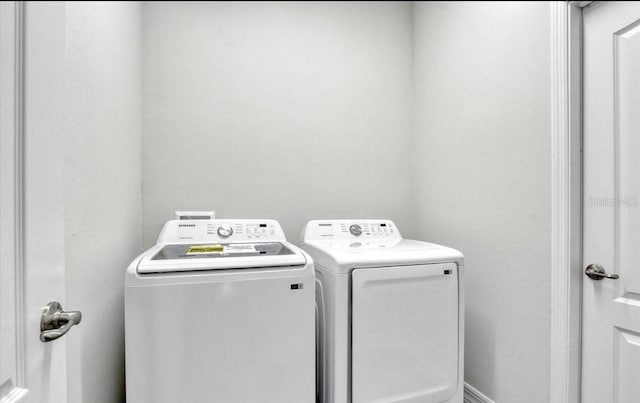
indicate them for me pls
(55, 323)
(596, 272)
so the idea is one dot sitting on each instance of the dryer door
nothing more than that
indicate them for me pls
(405, 333)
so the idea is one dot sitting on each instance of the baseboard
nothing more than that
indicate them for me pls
(473, 395)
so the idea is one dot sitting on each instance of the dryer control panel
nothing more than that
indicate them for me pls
(221, 231)
(318, 230)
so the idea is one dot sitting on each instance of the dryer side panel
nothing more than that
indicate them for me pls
(405, 333)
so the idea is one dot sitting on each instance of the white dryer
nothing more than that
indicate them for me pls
(390, 314)
(220, 311)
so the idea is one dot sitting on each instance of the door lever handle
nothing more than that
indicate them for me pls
(55, 323)
(597, 272)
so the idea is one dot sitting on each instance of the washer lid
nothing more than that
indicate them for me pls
(219, 256)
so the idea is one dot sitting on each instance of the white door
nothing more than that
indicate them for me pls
(611, 307)
(31, 199)
(405, 334)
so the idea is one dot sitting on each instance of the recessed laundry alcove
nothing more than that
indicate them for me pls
(435, 115)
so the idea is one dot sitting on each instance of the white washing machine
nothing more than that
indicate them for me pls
(220, 311)
(390, 314)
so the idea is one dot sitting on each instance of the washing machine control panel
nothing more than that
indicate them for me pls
(351, 229)
(221, 231)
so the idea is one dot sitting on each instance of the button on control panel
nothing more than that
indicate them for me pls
(381, 229)
(258, 231)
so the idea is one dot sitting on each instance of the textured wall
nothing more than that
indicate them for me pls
(102, 188)
(481, 161)
(291, 111)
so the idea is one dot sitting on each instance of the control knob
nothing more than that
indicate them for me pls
(225, 230)
(355, 229)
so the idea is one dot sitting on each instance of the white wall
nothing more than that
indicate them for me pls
(482, 160)
(290, 111)
(295, 111)
(103, 181)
